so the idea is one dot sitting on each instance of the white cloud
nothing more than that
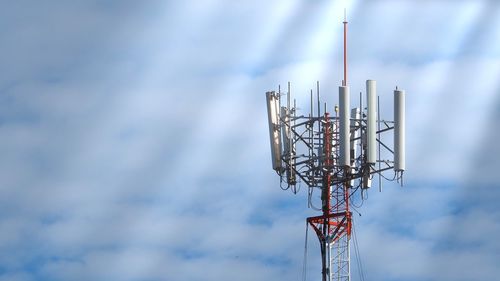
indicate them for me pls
(136, 146)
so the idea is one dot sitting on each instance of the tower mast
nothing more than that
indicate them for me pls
(337, 155)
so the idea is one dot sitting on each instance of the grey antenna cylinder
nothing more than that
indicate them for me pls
(345, 126)
(399, 130)
(371, 130)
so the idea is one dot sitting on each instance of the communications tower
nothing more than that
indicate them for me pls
(337, 155)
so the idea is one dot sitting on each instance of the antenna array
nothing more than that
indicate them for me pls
(337, 155)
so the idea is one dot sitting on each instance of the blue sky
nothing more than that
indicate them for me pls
(134, 141)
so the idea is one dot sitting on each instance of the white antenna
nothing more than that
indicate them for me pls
(355, 138)
(399, 130)
(274, 129)
(371, 128)
(344, 126)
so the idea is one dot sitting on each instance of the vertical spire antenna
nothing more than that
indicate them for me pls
(344, 82)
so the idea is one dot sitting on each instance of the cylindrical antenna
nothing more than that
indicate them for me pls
(399, 130)
(344, 82)
(345, 127)
(371, 122)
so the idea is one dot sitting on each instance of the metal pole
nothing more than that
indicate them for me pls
(344, 83)
(379, 141)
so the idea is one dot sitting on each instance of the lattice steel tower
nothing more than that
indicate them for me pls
(337, 155)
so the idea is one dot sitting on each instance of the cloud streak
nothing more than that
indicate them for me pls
(134, 138)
